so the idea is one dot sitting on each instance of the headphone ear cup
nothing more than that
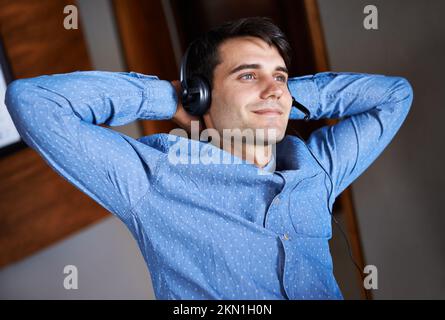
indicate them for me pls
(196, 100)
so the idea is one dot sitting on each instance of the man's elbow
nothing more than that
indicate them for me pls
(404, 91)
(16, 92)
(21, 98)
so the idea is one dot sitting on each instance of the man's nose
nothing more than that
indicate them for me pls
(271, 88)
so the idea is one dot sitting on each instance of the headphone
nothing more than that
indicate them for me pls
(196, 92)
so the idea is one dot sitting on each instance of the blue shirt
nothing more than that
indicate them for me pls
(209, 230)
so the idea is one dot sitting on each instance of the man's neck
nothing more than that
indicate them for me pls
(260, 155)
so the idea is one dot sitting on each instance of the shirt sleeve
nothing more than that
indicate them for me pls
(372, 108)
(59, 115)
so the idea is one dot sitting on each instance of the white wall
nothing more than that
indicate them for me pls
(399, 198)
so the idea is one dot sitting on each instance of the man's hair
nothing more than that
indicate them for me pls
(204, 56)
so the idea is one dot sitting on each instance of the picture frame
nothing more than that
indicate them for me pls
(10, 140)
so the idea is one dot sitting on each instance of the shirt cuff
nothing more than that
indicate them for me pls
(305, 91)
(161, 99)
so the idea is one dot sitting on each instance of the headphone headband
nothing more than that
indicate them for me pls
(183, 71)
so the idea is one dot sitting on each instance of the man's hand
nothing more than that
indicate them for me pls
(181, 117)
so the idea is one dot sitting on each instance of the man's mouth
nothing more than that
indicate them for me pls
(268, 112)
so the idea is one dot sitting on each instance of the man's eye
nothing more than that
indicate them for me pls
(250, 76)
(246, 75)
(282, 78)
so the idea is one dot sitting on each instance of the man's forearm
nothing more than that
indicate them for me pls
(96, 97)
(58, 117)
(336, 95)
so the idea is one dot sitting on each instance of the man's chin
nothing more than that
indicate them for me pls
(266, 142)
(257, 136)
(268, 137)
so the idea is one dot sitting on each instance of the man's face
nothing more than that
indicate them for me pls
(250, 80)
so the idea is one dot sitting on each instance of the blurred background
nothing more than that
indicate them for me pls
(391, 214)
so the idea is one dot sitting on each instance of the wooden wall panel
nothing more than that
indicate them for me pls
(147, 47)
(37, 206)
(36, 41)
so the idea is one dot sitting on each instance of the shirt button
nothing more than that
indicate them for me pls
(286, 236)
(277, 200)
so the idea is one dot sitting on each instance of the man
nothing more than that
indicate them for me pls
(209, 229)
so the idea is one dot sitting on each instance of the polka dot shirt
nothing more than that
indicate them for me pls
(211, 225)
